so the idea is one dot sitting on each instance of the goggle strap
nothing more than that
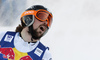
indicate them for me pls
(30, 12)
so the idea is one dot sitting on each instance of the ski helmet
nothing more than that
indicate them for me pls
(39, 12)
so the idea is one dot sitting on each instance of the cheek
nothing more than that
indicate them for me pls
(36, 24)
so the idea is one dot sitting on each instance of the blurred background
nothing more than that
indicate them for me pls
(75, 31)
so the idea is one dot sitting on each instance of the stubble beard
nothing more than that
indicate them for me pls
(36, 34)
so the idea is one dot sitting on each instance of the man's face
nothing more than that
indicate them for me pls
(39, 28)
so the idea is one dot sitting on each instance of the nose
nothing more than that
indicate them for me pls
(44, 22)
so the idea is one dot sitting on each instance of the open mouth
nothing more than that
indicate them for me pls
(42, 28)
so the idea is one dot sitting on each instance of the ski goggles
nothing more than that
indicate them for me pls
(42, 15)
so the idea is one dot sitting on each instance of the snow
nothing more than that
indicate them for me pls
(75, 32)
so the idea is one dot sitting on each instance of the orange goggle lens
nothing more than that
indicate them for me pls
(41, 15)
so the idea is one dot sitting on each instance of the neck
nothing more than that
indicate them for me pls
(33, 40)
(27, 37)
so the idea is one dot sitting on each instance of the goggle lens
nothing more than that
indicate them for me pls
(42, 15)
(27, 20)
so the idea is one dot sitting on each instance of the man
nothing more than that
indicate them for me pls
(24, 44)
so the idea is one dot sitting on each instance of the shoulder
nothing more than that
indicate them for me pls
(2, 33)
(47, 55)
